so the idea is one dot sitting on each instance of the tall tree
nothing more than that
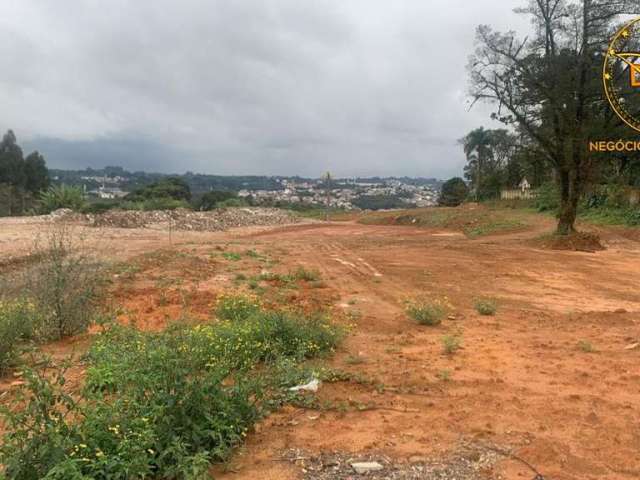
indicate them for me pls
(36, 173)
(477, 149)
(489, 154)
(11, 161)
(20, 179)
(549, 86)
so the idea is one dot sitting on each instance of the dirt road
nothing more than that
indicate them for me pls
(522, 379)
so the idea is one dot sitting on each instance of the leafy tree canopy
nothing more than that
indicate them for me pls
(454, 192)
(166, 188)
(213, 199)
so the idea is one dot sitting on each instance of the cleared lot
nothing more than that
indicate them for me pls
(523, 379)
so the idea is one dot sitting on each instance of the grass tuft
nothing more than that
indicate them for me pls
(585, 346)
(451, 344)
(486, 306)
(426, 311)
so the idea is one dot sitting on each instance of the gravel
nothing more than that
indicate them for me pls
(181, 219)
(468, 463)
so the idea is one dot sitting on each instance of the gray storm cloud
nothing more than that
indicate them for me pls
(358, 87)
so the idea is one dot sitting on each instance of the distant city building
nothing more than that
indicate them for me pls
(104, 180)
(108, 193)
(345, 193)
(523, 192)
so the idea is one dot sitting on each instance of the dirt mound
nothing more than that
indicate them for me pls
(472, 220)
(182, 219)
(62, 214)
(577, 242)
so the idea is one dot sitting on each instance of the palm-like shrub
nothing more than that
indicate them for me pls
(62, 196)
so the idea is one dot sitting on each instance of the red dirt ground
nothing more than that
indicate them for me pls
(521, 379)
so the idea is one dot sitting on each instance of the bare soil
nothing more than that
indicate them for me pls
(577, 241)
(522, 381)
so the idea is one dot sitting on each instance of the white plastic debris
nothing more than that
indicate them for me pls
(312, 386)
(362, 468)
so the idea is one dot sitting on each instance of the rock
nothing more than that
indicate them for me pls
(312, 386)
(417, 459)
(633, 346)
(61, 212)
(362, 468)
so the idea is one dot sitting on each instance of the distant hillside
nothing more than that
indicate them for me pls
(92, 178)
(128, 181)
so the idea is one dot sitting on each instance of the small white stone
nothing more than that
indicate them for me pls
(312, 386)
(365, 467)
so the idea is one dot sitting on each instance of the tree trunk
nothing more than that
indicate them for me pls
(12, 201)
(569, 196)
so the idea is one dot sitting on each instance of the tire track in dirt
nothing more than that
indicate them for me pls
(353, 276)
(345, 257)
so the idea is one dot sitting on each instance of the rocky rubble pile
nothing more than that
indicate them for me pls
(59, 215)
(467, 464)
(181, 219)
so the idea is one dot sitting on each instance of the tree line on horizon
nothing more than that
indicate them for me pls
(22, 179)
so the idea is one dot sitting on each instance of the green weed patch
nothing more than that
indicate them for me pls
(160, 405)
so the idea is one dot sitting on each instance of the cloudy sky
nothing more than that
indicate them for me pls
(357, 87)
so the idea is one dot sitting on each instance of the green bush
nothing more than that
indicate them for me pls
(548, 198)
(305, 275)
(236, 307)
(143, 432)
(100, 207)
(616, 197)
(163, 204)
(632, 217)
(454, 192)
(62, 196)
(427, 311)
(232, 256)
(64, 285)
(130, 206)
(486, 306)
(16, 325)
(212, 200)
(268, 336)
(151, 204)
(451, 344)
(629, 216)
(232, 203)
(235, 344)
(160, 405)
(299, 274)
(381, 202)
(167, 188)
(585, 346)
(40, 439)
